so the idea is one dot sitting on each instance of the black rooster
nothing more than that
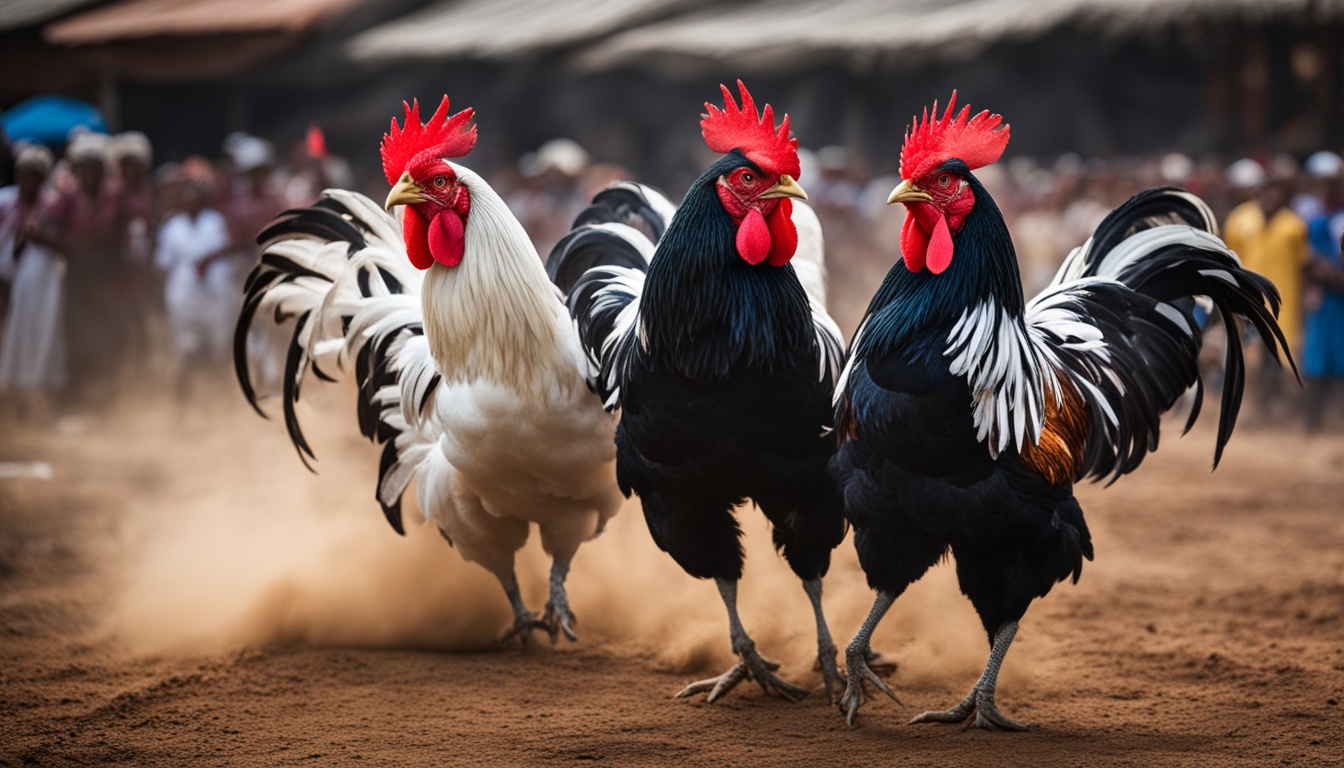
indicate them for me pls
(966, 415)
(723, 368)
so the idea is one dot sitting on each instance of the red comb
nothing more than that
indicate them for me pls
(732, 128)
(446, 136)
(976, 141)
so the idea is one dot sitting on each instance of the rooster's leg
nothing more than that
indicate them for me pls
(753, 665)
(558, 617)
(524, 621)
(980, 700)
(825, 645)
(857, 658)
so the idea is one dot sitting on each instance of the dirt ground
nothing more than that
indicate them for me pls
(182, 592)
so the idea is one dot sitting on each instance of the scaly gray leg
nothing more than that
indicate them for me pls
(825, 645)
(558, 617)
(981, 698)
(857, 656)
(524, 621)
(753, 665)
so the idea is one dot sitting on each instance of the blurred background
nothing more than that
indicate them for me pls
(246, 107)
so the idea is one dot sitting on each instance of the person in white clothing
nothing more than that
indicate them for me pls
(32, 352)
(190, 245)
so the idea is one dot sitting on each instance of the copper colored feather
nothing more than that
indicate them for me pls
(446, 136)
(976, 141)
(733, 128)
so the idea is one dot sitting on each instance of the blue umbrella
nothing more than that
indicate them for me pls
(48, 119)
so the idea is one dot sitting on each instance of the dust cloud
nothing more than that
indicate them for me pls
(242, 547)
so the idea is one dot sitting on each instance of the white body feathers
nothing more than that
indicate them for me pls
(482, 394)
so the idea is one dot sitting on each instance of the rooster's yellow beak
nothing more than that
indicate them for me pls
(907, 192)
(406, 192)
(786, 187)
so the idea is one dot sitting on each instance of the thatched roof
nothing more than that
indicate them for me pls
(795, 32)
(16, 14)
(774, 33)
(499, 29)
(140, 19)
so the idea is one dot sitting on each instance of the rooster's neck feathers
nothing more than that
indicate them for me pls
(496, 315)
(705, 310)
(985, 272)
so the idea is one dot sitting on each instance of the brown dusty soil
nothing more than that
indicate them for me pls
(182, 592)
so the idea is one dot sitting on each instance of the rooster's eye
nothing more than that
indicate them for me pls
(747, 178)
(440, 182)
(944, 180)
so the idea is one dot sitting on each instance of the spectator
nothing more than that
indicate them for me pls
(548, 198)
(130, 155)
(252, 204)
(1323, 348)
(80, 225)
(1322, 169)
(189, 247)
(310, 169)
(1271, 240)
(32, 352)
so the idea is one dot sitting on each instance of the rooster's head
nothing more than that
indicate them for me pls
(936, 160)
(760, 175)
(415, 161)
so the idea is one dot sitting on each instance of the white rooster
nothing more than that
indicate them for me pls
(470, 369)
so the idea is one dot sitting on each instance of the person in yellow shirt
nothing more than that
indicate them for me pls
(1271, 240)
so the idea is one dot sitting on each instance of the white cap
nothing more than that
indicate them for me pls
(1176, 168)
(34, 157)
(1325, 165)
(564, 155)
(248, 152)
(1246, 174)
(130, 144)
(87, 146)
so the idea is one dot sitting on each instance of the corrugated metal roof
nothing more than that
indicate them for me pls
(495, 29)
(770, 34)
(16, 14)
(138, 19)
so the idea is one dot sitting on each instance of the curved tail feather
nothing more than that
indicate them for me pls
(1150, 208)
(1117, 322)
(599, 266)
(339, 270)
(619, 229)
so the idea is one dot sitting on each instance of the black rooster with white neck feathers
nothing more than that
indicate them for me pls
(966, 414)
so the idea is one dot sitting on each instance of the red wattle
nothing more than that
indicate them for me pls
(783, 234)
(446, 241)
(914, 243)
(940, 247)
(415, 233)
(753, 238)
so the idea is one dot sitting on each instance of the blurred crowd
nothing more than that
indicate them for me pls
(116, 272)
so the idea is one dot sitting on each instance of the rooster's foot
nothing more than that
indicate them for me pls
(559, 618)
(521, 630)
(753, 666)
(859, 669)
(979, 702)
(880, 664)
